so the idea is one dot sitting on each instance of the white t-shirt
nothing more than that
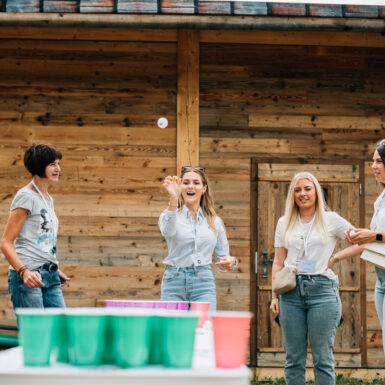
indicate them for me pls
(378, 220)
(317, 251)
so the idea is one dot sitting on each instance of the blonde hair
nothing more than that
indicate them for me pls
(291, 216)
(207, 200)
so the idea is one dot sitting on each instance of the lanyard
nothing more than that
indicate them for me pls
(306, 236)
(48, 207)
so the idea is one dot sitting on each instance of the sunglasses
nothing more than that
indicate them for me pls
(199, 168)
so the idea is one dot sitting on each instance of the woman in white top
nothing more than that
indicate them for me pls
(313, 308)
(376, 232)
(193, 233)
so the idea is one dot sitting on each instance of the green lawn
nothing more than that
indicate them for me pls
(340, 381)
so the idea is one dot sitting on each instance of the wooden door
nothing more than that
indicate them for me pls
(341, 185)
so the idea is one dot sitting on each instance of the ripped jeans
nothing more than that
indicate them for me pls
(189, 284)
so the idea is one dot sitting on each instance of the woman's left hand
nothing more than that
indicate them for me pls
(63, 278)
(226, 263)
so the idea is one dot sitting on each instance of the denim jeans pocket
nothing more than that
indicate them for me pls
(205, 275)
(170, 274)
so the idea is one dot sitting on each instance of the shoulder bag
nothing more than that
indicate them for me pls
(285, 279)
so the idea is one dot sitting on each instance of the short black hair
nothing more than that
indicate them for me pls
(38, 156)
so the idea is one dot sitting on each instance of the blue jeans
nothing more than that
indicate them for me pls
(50, 295)
(189, 284)
(312, 309)
(379, 299)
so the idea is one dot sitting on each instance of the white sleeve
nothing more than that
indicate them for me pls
(279, 240)
(338, 225)
(167, 223)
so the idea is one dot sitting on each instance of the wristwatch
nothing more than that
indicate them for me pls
(379, 237)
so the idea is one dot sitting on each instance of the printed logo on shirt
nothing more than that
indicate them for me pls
(46, 239)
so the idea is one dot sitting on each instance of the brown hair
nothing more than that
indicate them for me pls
(380, 148)
(207, 200)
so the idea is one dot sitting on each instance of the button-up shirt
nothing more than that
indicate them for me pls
(185, 237)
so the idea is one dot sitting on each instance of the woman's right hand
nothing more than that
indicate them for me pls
(274, 306)
(32, 279)
(172, 185)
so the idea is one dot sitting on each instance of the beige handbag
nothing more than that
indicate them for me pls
(374, 253)
(285, 279)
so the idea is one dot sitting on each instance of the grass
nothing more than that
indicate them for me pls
(341, 380)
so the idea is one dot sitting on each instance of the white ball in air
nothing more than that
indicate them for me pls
(162, 122)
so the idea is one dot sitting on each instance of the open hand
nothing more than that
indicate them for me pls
(173, 186)
(226, 263)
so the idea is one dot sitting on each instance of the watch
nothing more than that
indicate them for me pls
(379, 237)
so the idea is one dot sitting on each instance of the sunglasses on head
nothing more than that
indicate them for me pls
(200, 168)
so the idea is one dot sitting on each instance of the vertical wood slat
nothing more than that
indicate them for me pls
(363, 332)
(188, 99)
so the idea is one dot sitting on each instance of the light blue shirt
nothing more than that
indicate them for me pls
(185, 238)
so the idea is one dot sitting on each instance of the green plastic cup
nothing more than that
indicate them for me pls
(132, 337)
(178, 339)
(86, 344)
(109, 354)
(37, 327)
(156, 340)
(61, 340)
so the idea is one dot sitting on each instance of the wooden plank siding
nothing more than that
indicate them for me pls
(97, 94)
(98, 103)
(294, 101)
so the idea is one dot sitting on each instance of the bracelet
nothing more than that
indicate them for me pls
(21, 271)
(336, 259)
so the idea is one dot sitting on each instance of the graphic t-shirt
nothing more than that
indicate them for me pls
(36, 242)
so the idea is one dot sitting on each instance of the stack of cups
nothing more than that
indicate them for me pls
(95, 336)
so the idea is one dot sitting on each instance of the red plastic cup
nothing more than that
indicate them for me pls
(231, 337)
(203, 307)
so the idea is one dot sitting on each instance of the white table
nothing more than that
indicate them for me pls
(12, 372)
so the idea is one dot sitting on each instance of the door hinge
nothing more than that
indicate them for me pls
(362, 332)
(256, 262)
(360, 189)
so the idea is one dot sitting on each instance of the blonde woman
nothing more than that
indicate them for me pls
(313, 308)
(193, 232)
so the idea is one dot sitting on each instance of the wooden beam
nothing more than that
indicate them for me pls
(343, 39)
(188, 99)
(203, 22)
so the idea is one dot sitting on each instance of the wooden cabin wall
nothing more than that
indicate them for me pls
(289, 101)
(98, 102)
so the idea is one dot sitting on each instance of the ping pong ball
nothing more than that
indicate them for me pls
(162, 122)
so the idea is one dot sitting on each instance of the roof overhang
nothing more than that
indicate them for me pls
(207, 22)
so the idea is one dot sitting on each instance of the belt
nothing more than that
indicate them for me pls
(50, 267)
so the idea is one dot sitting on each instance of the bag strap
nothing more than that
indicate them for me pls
(300, 255)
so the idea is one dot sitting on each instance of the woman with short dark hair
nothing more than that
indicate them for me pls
(30, 236)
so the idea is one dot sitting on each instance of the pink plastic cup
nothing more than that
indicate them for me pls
(160, 305)
(183, 305)
(231, 337)
(203, 307)
(172, 305)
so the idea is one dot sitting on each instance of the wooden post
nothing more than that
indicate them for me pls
(188, 99)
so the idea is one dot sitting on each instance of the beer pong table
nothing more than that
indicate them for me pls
(13, 372)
